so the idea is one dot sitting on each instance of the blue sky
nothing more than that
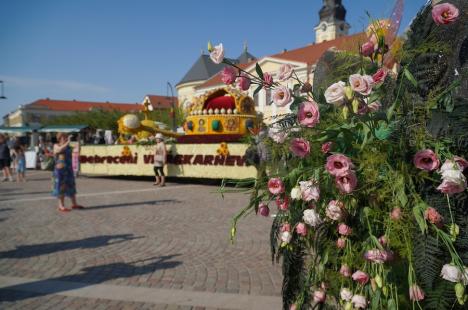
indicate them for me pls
(121, 50)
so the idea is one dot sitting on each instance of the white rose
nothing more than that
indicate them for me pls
(296, 193)
(278, 134)
(217, 54)
(311, 217)
(452, 273)
(451, 171)
(281, 96)
(285, 72)
(346, 294)
(335, 94)
(361, 83)
(286, 236)
(359, 301)
(334, 210)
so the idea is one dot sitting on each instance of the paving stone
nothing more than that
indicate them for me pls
(175, 237)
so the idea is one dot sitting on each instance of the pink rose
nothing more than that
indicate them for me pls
(228, 75)
(361, 83)
(361, 277)
(277, 134)
(285, 72)
(281, 96)
(309, 190)
(426, 160)
(341, 243)
(293, 307)
(283, 204)
(300, 147)
(345, 271)
(383, 240)
(396, 214)
(449, 187)
(335, 210)
(308, 114)
(301, 229)
(326, 147)
(320, 296)
(338, 164)
(416, 293)
(461, 162)
(263, 209)
(373, 107)
(444, 13)
(378, 256)
(380, 75)
(217, 54)
(346, 182)
(433, 217)
(243, 82)
(267, 80)
(276, 186)
(359, 301)
(367, 49)
(344, 229)
(285, 227)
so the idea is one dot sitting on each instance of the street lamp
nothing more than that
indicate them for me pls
(169, 87)
(2, 96)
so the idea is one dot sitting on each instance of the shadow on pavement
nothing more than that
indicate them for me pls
(26, 251)
(87, 276)
(130, 204)
(6, 209)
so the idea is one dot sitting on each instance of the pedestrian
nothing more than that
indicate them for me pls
(64, 180)
(5, 159)
(159, 160)
(20, 163)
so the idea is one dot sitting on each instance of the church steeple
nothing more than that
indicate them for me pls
(332, 23)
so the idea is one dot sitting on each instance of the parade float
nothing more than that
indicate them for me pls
(211, 147)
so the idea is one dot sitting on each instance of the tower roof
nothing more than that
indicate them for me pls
(332, 10)
(204, 67)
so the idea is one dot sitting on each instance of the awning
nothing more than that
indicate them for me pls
(22, 129)
(63, 128)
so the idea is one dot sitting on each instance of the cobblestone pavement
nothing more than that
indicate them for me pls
(174, 240)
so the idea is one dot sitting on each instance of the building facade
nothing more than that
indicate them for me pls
(331, 32)
(33, 114)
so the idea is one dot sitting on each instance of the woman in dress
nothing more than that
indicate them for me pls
(64, 179)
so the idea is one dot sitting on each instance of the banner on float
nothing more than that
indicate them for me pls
(215, 161)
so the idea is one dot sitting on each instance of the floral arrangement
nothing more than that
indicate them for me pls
(346, 184)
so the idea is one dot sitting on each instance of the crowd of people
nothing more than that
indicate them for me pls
(12, 159)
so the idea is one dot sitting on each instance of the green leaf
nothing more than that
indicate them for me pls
(418, 212)
(410, 77)
(259, 88)
(384, 131)
(259, 70)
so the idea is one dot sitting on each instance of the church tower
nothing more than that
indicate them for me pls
(332, 23)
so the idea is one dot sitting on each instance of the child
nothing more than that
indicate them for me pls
(20, 161)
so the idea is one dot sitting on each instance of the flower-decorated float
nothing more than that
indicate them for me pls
(211, 147)
(366, 178)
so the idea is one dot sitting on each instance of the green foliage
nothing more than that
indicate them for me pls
(96, 118)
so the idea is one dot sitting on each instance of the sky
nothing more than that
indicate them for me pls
(122, 50)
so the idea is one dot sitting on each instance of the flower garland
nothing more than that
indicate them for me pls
(345, 189)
